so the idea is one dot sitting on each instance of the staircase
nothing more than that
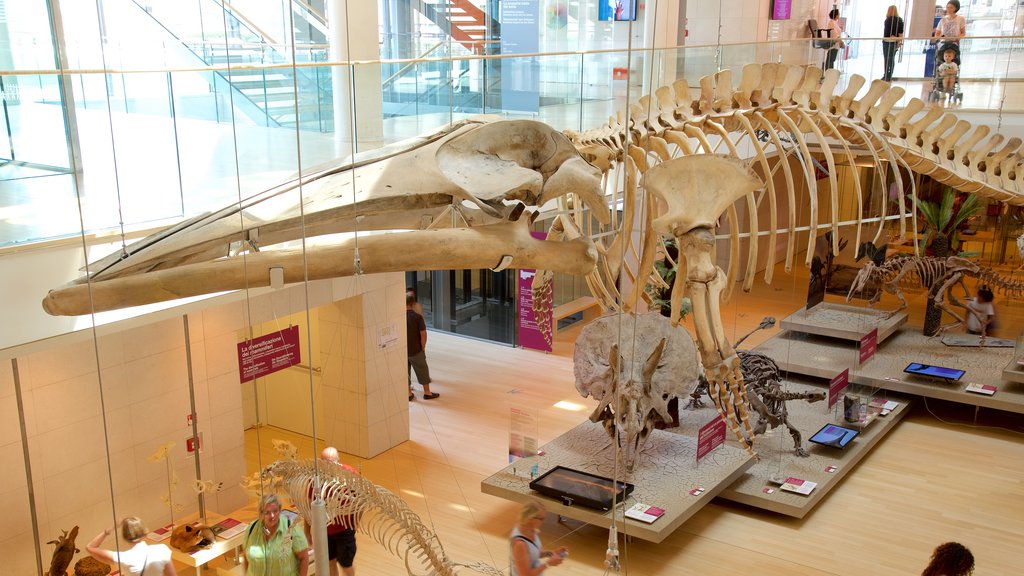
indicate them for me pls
(465, 22)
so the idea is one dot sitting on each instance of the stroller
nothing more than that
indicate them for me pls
(939, 88)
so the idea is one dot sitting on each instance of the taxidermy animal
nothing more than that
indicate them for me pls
(63, 553)
(191, 537)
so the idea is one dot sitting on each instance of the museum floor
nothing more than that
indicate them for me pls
(940, 475)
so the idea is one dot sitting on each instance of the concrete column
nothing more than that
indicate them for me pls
(364, 408)
(358, 110)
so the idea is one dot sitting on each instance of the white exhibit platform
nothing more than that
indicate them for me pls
(825, 357)
(824, 465)
(664, 476)
(843, 321)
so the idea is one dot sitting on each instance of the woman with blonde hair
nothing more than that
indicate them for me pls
(525, 547)
(141, 559)
(273, 545)
(892, 33)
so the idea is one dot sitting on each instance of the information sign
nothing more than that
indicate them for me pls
(267, 354)
(710, 436)
(837, 387)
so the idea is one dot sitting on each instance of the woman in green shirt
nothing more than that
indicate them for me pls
(273, 546)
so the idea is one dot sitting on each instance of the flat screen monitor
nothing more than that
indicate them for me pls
(834, 436)
(616, 9)
(950, 374)
(577, 487)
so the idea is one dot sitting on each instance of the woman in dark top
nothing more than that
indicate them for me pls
(893, 34)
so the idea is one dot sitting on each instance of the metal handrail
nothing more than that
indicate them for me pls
(409, 66)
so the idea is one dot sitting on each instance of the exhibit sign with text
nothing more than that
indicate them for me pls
(267, 354)
(782, 9)
(710, 436)
(530, 332)
(522, 434)
(868, 346)
(837, 387)
(520, 34)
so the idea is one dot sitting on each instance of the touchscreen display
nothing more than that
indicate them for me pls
(835, 436)
(934, 371)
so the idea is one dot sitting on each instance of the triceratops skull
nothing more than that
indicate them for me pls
(633, 365)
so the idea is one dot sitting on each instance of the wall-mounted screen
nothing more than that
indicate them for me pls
(616, 9)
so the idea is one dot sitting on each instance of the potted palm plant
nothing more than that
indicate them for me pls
(943, 221)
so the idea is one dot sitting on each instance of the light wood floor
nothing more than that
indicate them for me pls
(930, 481)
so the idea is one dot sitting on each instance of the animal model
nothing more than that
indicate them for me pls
(191, 537)
(63, 553)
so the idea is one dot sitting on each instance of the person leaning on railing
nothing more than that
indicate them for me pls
(893, 39)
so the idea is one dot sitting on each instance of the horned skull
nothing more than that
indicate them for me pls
(633, 365)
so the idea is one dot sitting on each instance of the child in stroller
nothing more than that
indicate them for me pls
(947, 74)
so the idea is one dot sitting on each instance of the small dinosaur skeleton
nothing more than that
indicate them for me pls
(931, 271)
(63, 552)
(383, 516)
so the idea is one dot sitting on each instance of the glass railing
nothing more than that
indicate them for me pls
(157, 146)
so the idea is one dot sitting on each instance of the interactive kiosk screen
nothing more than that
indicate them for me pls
(575, 487)
(950, 374)
(834, 436)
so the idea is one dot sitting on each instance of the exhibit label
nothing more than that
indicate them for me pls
(710, 436)
(268, 354)
(530, 334)
(868, 346)
(837, 387)
(522, 434)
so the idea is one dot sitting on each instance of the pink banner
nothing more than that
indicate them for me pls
(710, 436)
(530, 334)
(268, 354)
(781, 9)
(837, 387)
(868, 346)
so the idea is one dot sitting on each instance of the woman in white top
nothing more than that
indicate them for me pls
(952, 27)
(141, 559)
(525, 548)
(835, 29)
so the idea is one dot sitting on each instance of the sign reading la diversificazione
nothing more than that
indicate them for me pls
(268, 354)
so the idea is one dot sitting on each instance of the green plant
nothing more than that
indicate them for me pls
(661, 297)
(944, 219)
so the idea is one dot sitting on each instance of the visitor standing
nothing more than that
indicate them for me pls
(525, 549)
(273, 545)
(341, 534)
(892, 33)
(416, 347)
(141, 559)
(835, 29)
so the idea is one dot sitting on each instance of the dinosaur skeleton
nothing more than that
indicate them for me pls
(763, 381)
(465, 197)
(382, 515)
(930, 272)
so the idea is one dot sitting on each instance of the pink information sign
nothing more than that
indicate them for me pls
(710, 436)
(530, 331)
(868, 346)
(267, 354)
(837, 387)
(781, 9)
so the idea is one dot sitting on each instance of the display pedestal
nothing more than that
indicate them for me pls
(820, 357)
(777, 457)
(664, 475)
(843, 322)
